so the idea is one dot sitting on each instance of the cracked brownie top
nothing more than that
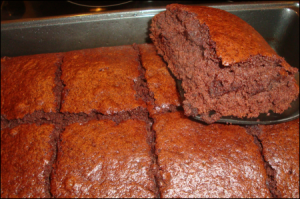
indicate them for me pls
(27, 154)
(101, 80)
(102, 159)
(201, 161)
(28, 84)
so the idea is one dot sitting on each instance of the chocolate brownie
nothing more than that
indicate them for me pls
(101, 159)
(226, 66)
(197, 160)
(29, 84)
(161, 84)
(280, 145)
(27, 154)
(101, 80)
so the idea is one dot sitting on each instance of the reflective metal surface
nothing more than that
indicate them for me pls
(99, 3)
(277, 22)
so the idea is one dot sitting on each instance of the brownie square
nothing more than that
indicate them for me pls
(101, 159)
(201, 161)
(27, 154)
(280, 144)
(101, 80)
(161, 84)
(30, 83)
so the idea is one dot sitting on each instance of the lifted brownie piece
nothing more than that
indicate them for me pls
(202, 161)
(101, 159)
(29, 84)
(225, 65)
(161, 84)
(280, 144)
(101, 80)
(27, 154)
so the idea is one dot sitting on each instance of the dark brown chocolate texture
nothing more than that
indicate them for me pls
(224, 64)
(201, 161)
(280, 144)
(101, 80)
(101, 159)
(28, 84)
(159, 81)
(107, 146)
(27, 154)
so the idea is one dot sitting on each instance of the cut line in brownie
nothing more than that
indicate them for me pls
(271, 181)
(137, 113)
(104, 159)
(30, 83)
(280, 148)
(60, 120)
(225, 65)
(201, 161)
(141, 85)
(161, 84)
(101, 80)
(27, 154)
(37, 117)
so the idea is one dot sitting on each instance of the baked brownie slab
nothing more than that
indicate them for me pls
(201, 161)
(101, 80)
(225, 65)
(27, 154)
(161, 84)
(101, 159)
(30, 83)
(280, 144)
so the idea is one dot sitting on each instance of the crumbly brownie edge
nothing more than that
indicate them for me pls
(271, 182)
(58, 83)
(155, 167)
(61, 120)
(149, 99)
(49, 167)
(140, 85)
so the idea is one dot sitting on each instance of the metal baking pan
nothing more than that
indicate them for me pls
(277, 22)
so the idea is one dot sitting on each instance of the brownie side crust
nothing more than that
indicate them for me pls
(197, 160)
(102, 159)
(255, 84)
(27, 154)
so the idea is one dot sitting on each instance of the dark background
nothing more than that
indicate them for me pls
(11, 10)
